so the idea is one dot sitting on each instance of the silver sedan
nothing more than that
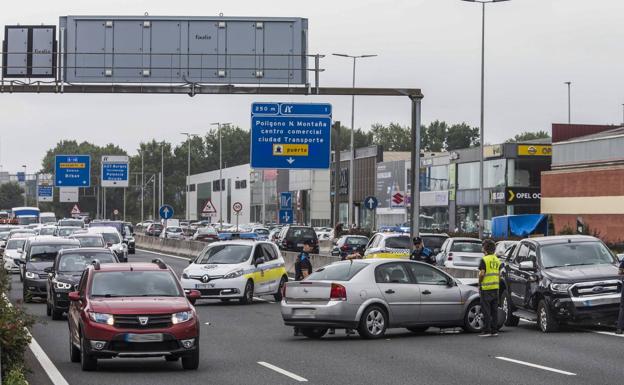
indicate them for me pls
(373, 295)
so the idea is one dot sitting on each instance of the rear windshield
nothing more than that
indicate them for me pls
(174, 230)
(398, 243)
(225, 254)
(157, 227)
(47, 253)
(206, 230)
(262, 231)
(15, 244)
(134, 284)
(357, 241)
(46, 231)
(576, 254)
(76, 262)
(466, 247)
(301, 233)
(67, 231)
(433, 242)
(111, 238)
(337, 272)
(91, 241)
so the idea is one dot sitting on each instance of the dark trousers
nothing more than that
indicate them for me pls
(489, 307)
(620, 324)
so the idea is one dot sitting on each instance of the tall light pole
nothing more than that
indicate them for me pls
(481, 125)
(25, 187)
(142, 187)
(162, 174)
(569, 103)
(188, 173)
(219, 124)
(350, 216)
(623, 114)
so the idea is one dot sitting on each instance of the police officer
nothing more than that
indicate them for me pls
(420, 252)
(489, 277)
(303, 268)
(620, 323)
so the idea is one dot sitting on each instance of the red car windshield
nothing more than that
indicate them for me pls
(134, 284)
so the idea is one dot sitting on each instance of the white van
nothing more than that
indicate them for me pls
(47, 218)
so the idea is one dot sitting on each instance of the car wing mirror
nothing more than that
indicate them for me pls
(259, 261)
(436, 250)
(620, 257)
(527, 266)
(74, 296)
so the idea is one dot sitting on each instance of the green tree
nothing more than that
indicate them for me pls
(434, 136)
(11, 195)
(360, 138)
(462, 136)
(528, 136)
(393, 137)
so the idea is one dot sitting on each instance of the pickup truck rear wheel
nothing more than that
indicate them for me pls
(545, 319)
(510, 319)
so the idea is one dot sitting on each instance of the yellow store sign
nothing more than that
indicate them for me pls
(534, 150)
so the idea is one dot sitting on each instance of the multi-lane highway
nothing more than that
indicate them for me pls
(250, 345)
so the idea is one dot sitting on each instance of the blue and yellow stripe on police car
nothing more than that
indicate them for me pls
(262, 274)
(389, 254)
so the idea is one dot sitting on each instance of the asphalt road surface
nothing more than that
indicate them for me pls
(250, 345)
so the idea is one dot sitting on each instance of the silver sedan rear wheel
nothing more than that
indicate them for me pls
(373, 323)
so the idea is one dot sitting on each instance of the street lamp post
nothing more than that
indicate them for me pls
(350, 216)
(219, 124)
(569, 103)
(188, 173)
(481, 125)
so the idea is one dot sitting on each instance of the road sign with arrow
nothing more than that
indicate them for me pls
(370, 202)
(290, 135)
(165, 211)
(286, 217)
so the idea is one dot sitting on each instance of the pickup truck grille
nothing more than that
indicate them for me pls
(154, 321)
(589, 289)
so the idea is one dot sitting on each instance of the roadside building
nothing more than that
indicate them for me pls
(263, 180)
(511, 182)
(584, 191)
(234, 187)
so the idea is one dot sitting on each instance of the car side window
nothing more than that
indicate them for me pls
(82, 285)
(444, 245)
(523, 254)
(427, 275)
(532, 254)
(392, 273)
(269, 252)
(258, 253)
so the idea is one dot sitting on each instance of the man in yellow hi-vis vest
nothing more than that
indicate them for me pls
(489, 277)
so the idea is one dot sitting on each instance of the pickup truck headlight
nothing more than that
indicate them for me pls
(61, 285)
(185, 275)
(560, 287)
(30, 275)
(102, 318)
(234, 274)
(183, 316)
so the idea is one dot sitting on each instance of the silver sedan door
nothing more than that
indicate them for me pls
(440, 301)
(399, 291)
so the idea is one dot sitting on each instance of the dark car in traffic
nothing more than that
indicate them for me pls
(561, 279)
(292, 238)
(39, 253)
(347, 244)
(64, 275)
(154, 229)
(132, 310)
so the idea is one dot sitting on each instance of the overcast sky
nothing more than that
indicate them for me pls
(532, 48)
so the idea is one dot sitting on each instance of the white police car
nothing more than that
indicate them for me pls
(237, 269)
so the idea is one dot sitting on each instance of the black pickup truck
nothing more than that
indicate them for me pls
(561, 279)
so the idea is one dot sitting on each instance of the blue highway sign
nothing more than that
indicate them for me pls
(165, 211)
(21, 176)
(291, 135)
(115, 171)
(285, 201)
(45, 193)
(72, 171)
(370, 203)
(286, 217)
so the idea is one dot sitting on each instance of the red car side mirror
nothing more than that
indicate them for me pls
(193, 294)
(74, 296)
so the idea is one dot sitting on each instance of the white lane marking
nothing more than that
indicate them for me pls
(527, 321)
(263, 300)
(537, 366)
(603, 332)
(53, 373)
(166, 255)
(282, 371)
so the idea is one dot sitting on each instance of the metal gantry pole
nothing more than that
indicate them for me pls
(263, 201)
(188, 178)
(481, 125)
(162, 173)
(142, 187)
(220, 179)
(351, 212)
(415, 168)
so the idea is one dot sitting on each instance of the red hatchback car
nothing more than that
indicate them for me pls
(132, 310)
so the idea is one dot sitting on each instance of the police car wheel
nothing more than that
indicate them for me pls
(248, 295)
(278, 296)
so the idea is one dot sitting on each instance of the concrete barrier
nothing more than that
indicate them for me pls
(190, 249)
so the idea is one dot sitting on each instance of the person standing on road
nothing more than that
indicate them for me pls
(620, 324)
(420, 252)
(303, 268)
(489, 278)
